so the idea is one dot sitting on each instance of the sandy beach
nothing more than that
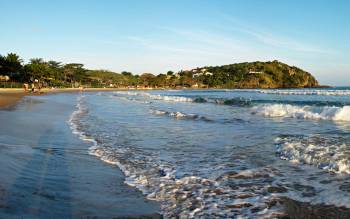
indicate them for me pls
(10, 96)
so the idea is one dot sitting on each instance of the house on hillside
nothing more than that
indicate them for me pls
(255, 72)
(202, 73)
(197, 75)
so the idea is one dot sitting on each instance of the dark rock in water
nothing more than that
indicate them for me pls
(162, 173)
(296, 209)
(276, 189)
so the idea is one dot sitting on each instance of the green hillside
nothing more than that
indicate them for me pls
(273, 74)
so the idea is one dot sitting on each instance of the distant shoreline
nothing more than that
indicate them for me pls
(10, 96)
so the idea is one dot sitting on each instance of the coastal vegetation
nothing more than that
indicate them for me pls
(271, 74)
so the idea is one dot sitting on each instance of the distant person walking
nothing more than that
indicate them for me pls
(33, 87)
(39, 88)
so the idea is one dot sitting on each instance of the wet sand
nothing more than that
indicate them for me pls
(297, 209)
(10, 97)
(46, 171)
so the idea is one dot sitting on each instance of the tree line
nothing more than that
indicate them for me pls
(241, 75)
(57, 74)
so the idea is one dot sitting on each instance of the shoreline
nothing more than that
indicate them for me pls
(10, 96)
(44, 166)
(294, 208)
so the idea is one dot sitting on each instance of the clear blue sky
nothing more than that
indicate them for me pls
(160, 35)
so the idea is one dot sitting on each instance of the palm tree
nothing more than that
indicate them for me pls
(55, 69)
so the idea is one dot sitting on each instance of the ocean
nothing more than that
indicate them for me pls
(205, 153)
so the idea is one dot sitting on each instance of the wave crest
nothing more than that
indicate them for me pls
(304, 112)
(308, 92)
(180, 115)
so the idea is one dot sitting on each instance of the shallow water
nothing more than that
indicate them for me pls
(46, 171)
(224, 153)
(218, 153)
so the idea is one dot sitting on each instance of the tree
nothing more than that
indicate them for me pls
(74, 72)
(55, 70)
(147, 79)
(11, 65)
(36, 69)
(160, 80)
(125, 73)
(2, 65)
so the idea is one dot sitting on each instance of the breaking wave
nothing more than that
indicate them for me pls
(328, 153)
(156, 96)
(230, 101)
(180, 115)
(304, 112)
(225, 192)
(187, 196)
(74, 121)
(191, 196)
(235, 101)
(308, 92)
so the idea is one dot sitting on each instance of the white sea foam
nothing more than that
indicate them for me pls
(241, 194)
(74, 121)
(179, 115)
(187, 197)
(328, 153)
(308, 92)
(304, 112)
(190, 196)
(156, 96)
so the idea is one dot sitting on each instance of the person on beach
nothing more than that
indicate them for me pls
(39, 88)
(25, 87)
(33, 86)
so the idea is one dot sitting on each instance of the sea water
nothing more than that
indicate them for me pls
(223, 153)
(47, 172)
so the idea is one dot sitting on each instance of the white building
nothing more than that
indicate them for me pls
(202, 73)
(255, 72)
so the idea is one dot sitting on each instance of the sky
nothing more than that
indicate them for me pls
(160, 35)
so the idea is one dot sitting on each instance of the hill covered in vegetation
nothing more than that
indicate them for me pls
(272, 74)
